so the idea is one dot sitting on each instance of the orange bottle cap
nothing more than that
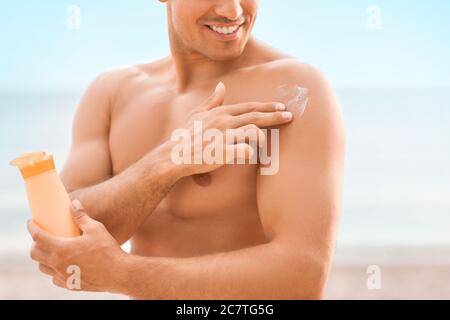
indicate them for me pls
(34, 163)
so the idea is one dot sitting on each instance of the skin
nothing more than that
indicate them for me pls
(243, 235)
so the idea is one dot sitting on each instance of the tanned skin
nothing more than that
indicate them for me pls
(201, 231)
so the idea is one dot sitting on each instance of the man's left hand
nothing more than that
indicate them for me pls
(95, 254)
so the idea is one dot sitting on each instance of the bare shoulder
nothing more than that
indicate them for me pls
(321, 124)
(110, 85)
(110, 81)
(291, 71)
(116, 79)
(99, 98)
(322, 100)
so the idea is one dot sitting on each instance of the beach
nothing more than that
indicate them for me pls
(387, 61)
(396, 204)
(400, 282)
(406, 273)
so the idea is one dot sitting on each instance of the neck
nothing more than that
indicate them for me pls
(192, 68)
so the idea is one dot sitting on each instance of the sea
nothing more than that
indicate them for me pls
(396, 189)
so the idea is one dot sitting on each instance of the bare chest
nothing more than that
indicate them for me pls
(142, 122)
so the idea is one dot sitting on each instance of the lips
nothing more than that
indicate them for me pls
(224, 30)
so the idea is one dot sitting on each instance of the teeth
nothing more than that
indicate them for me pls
(224, 30)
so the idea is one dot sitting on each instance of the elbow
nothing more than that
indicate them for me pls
(115, 230)
(312, 289)
(117, 233)
(121, 239)
(308, 277)
(315, 293)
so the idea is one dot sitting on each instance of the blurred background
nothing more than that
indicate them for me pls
(390, 64)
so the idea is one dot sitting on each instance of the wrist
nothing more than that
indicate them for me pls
(120, 273)
(166, 166)
(134, 277)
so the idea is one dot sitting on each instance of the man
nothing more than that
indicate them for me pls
(201, 230)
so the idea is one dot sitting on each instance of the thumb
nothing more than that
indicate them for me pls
(79, 215)
(217, 98)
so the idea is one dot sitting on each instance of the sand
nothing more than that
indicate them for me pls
(406, 273)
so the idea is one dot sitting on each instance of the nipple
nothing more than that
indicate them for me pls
(203, 180)
(294, 97)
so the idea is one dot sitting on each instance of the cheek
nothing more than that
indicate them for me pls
(250, 7)
(185, 19)
(187, 12)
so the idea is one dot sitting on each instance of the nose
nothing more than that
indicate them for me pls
(230, 9)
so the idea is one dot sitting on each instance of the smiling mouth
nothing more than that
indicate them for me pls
(224, 30)
(227, 30)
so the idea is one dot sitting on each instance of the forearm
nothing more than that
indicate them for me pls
(263, 272)
(123, 202)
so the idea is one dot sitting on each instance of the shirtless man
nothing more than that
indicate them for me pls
(201, 231)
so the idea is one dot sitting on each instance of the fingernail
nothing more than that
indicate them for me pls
(280, 106)
(77, 206)
(287, 115)
(220, 84)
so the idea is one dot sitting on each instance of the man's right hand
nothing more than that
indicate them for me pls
(241, 121)
(124, 201)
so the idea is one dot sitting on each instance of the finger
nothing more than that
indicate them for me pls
(216, 99)
(39, 255)
(80, 217)
(262, 119)
(238, 109)
(43, 239)
(46, 270)
(249, 134)
(59, 282)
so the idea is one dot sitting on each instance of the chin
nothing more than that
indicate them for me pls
(225, 57)
(224, 54)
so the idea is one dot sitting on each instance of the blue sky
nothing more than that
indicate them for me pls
(412, 48)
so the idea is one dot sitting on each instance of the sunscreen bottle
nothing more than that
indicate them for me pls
(47, 197)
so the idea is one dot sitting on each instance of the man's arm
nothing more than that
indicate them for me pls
(122, 202)
(299, 209)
